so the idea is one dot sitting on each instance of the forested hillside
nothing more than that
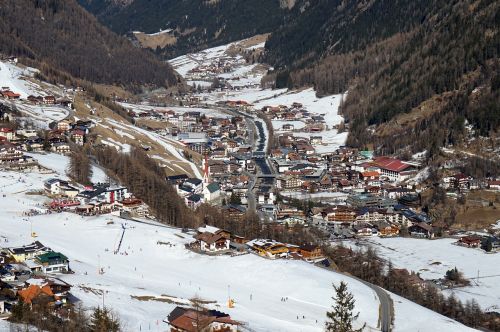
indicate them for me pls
(197, 24)
(61, 36)
(415, 70)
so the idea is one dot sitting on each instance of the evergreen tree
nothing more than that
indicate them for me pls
(102, 320)
(341, 317)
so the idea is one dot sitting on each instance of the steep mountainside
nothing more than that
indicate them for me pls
(60, 35)
(415, 70)
(197, 24)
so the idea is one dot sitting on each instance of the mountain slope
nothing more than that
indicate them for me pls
(60, 34)
(415, 70)
(196, 24)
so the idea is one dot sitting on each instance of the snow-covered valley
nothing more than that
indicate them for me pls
(146, 279)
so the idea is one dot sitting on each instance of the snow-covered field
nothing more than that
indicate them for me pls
(181, 110)
(242, 74)
(59, 164)
(15, 78)
(169, 145)
(433, 258)
(172, 274)
(10, 76)
(326, 106)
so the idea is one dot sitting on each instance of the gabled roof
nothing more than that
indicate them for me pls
(391, 164)
(210, 237)
(27, 295)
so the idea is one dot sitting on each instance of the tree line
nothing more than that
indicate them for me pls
(43, 317)
(367, 265)
(439, 55)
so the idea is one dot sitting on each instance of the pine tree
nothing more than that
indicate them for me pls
(341, 317)
(102, 320)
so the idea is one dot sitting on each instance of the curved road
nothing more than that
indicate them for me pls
(386, 314)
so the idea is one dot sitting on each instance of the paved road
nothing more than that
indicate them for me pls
(386, 306)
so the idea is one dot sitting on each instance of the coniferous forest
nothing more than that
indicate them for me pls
(59, 36)
(437, 58)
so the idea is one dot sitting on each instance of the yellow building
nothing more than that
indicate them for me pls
(30, 251)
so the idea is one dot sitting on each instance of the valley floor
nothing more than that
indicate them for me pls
(146, 280)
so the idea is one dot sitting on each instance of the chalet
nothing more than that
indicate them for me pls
(370, 178)
(36, 295)
(11, 154)
(340, 214)
(134, 207)
(78, 136)
(305, 149)
(364, 230)
(470, 241)
(289, 182)
(421, 229)
(268, 248)
(49, 100)
(61, 148)
(210, 242)
(35, 99)
(35, 144)
(190, 320)
(369, 215)
(48, 263)
(387, 230)
(65, 102)
(8, 133)
(311, 252)
(395, 192)
(59, 288)
(21, 254)
(457, 181)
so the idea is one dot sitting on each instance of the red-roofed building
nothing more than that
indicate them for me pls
(10, 95)
(370, 178)
(190, 320)
(8, 133)
(395, 169)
